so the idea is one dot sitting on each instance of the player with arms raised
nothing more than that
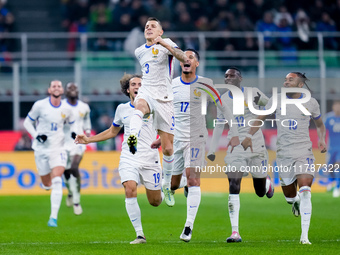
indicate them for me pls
(294, 150)
(75, 152)
(45, 123)
(142, 167)
(155, 95)
(239, 158)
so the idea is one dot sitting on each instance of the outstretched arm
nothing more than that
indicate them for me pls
(105, 135)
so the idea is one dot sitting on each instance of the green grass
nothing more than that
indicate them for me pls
(267, 226)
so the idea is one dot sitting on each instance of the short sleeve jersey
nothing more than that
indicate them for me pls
(157, 68)
(147, 135)
(50, 121)
(190, 122)
(81, 111)
(293, 128)
(242, 121)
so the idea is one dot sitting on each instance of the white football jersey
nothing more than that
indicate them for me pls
(190, 123)
(293, 128)
(49, 121)
(157, 68)
(81, 113)
(241, 121)
(146, 136)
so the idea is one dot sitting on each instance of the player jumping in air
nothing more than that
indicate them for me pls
(155, 96)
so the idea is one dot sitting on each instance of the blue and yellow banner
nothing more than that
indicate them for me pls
(99, 173)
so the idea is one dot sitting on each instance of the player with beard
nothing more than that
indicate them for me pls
(294, 149)
(75, 152)
(45, 123)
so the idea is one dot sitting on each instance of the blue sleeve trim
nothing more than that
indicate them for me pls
(115, 124)
(71, 122)
(316, 118)
(30, 117)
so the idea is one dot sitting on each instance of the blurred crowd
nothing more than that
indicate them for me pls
(203, 15)
(6, 25)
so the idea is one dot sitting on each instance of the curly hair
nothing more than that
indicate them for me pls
(125, 82)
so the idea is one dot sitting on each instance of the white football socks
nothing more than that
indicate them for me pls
(56, 196)
(183, 182)
(291, 200)
(168, 164)
(193, 202)
(75, 189)
(234, 210)
(136, 122)
(134, 213)
(305, 210)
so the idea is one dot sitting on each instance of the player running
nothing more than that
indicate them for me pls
(191, 133)
(155, 96)
(294, 154)
(45, 123)
(240, 159)
(75, 152)
(332, 124)
(142, 167)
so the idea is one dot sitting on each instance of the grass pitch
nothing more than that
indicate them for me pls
(267, 226)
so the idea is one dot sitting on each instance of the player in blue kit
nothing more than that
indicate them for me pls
(332, 124)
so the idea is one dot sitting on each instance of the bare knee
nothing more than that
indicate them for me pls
(168, 150)
(155, 201)
(194, 182)
(130, 189)
(234, 186)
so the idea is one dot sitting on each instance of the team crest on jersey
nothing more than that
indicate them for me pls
(197, 94)
(81, 115)
(63, 116)
(155, 52)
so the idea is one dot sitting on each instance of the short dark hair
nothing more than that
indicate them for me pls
(196, 53)
(125, 82)
(303, 78)
(236, 69)
(53, 81)
(155, 19)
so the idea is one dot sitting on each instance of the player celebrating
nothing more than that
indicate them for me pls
(240, 159)
(332, 124)
(81, 112)
(155, 96)
(145, 165)
(191, 133)
(45, 123)
(294, 150)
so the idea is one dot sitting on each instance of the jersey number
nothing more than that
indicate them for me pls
(184, 106)
(157, 178)
(194, 152)
(54, 126)
(147, 68)
(240, 121)
(292, 124)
